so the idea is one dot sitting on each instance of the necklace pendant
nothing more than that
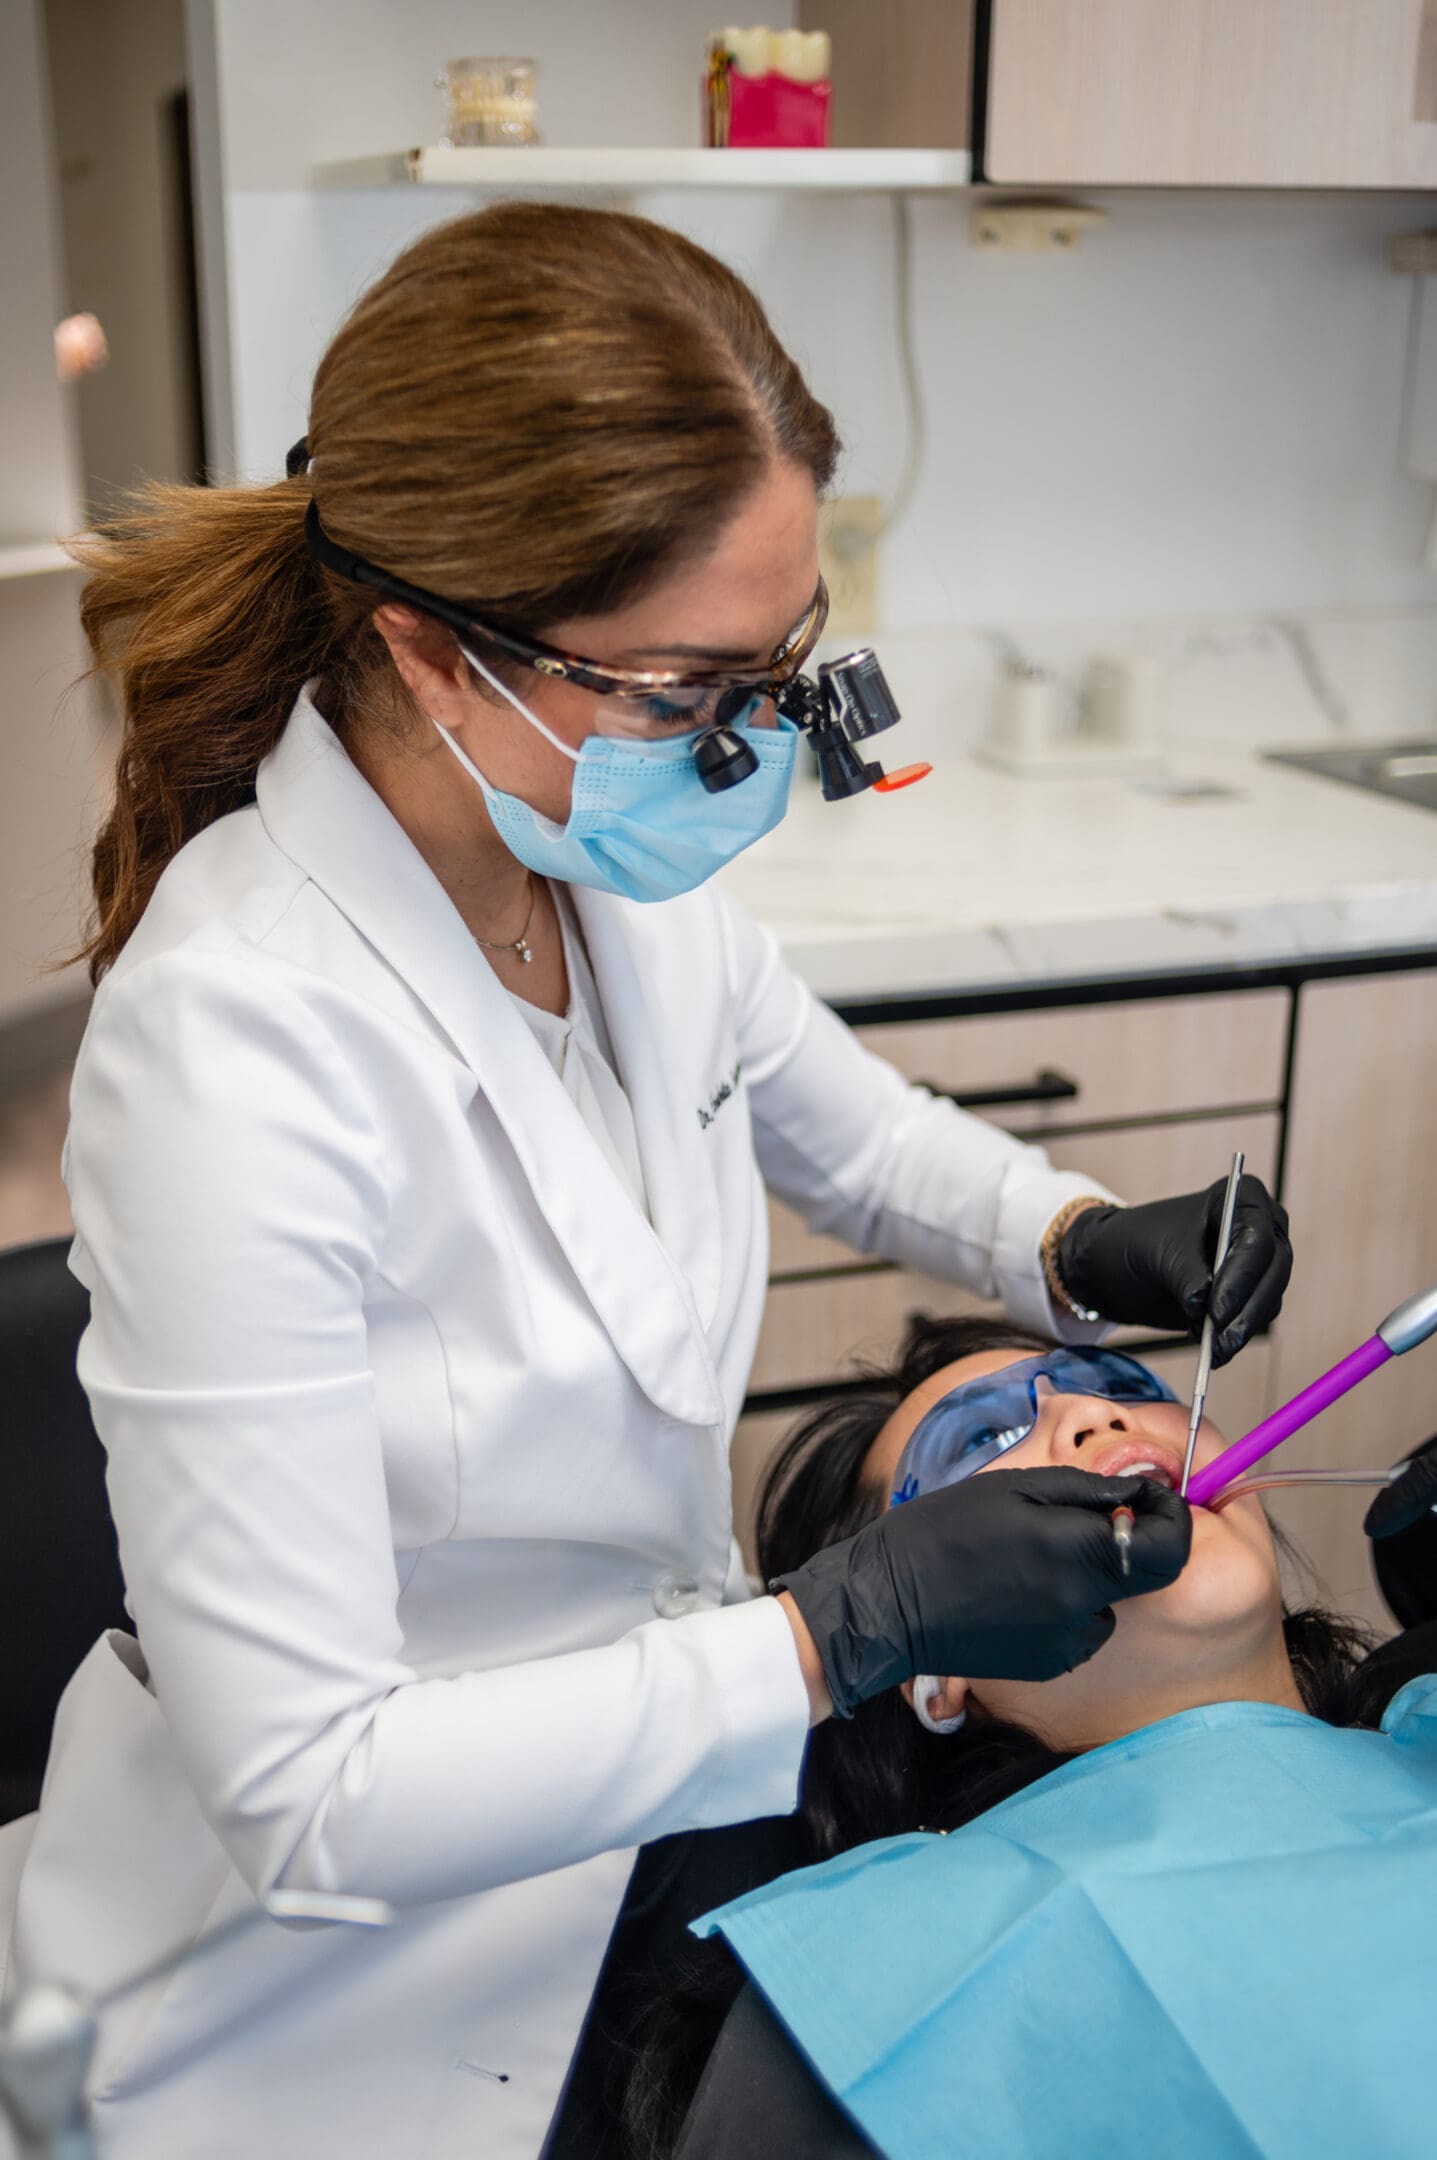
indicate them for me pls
(524, 953)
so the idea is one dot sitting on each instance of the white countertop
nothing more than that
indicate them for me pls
(976, 880)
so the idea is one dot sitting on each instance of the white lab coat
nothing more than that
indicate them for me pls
(417, 1438)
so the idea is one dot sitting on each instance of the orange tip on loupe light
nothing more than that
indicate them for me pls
(904, 777)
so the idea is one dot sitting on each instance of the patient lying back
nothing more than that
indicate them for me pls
(1177, 1909)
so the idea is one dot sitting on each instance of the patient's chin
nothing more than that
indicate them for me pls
(1231, 1580)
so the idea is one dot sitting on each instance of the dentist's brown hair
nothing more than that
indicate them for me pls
(537, 411)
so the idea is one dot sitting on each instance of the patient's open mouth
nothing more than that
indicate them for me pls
(1138, 1458)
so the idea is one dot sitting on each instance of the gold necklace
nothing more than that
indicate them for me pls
(520, 944)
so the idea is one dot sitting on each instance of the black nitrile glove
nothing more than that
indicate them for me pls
(1403, 1527)
(1151, 1266)
(1006, 1576)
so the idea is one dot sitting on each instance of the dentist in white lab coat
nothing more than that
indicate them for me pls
(418, 1160)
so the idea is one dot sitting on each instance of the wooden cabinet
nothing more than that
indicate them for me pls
(1162, 1091)
(1219, 93)
(1361, 1188)
(1167, 1088)
(902, 71)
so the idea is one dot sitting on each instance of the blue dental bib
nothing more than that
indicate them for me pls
(1215, 1939)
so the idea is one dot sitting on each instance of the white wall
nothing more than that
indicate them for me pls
(114, 66)
(54, 774)
(38, 495)
(1199, 412)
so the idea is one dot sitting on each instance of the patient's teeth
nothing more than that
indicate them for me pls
(749, 48)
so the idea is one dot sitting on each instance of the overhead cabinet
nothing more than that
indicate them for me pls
(1212, 93)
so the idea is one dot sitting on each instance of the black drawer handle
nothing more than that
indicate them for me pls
(1045, 1086)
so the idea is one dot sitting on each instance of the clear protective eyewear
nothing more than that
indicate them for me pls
(982, 1419)
(642, 703)
(649, 702)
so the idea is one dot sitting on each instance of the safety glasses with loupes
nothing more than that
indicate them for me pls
(837, 709)
(983, 1419)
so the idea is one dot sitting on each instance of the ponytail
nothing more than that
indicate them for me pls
(205, 606)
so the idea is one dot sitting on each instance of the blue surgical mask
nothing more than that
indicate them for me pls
(641, 822)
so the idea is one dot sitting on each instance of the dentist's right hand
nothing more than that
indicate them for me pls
(1009, 1576)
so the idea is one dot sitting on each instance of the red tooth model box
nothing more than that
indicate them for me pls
(762, 112)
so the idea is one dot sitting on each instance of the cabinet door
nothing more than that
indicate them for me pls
(1234, 93)
(902, 71)
(1361, 1188)
(815, 1324)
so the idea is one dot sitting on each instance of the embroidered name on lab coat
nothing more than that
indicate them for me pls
(719, 1097)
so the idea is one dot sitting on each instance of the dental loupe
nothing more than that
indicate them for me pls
(847, 703)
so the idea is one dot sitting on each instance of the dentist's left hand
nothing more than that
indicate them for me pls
(1010, 1576)
(1152, 1266)
(1410, 1500)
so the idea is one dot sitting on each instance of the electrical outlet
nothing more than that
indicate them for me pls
(848, 558)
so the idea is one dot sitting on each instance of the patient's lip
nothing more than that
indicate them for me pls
(1118, 1461)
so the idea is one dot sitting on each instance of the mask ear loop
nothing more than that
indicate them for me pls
(518, 704)
(925, 1687)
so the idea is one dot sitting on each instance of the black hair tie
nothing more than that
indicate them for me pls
(297, 460)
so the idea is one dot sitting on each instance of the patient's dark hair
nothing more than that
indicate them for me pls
(880, 1773)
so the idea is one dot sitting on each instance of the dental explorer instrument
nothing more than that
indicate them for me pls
(1122, 1521)
(1204, 1363)
(1405, 1326)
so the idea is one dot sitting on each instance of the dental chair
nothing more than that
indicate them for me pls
(60, 1580)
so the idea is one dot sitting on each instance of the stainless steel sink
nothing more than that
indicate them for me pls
(1406, 770)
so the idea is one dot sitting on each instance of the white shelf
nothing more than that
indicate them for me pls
(34, 558)
(620, 171)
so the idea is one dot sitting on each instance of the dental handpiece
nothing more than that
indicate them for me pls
(1405, 1326)
(1123, 1522)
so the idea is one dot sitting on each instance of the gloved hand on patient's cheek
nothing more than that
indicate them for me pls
(1151, 1266)
(1410, 1498)
(1403, 1526)
(1010, 1575)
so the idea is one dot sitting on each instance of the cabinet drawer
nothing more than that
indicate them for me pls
(813, 1332)
(1139, 1162)
(1152, 1058)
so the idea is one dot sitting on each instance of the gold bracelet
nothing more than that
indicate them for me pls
(1058, 1290)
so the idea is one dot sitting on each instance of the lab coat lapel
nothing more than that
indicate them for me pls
(321, 811)
(683, 1198)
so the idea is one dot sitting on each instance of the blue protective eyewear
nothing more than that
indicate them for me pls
(983, 1419)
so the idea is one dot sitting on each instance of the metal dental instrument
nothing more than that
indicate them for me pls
(1204, 1363)
(1122, 1521)
(1407, 1325)
(1269, 1480)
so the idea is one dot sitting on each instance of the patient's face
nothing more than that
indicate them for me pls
(1220, 1619)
